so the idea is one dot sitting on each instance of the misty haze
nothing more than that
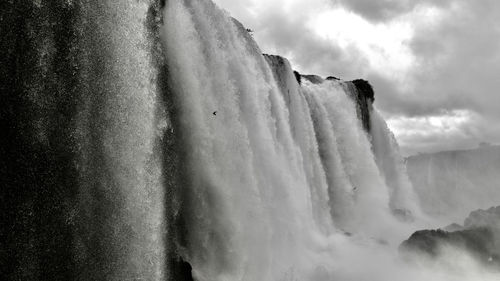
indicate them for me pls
(252, 140)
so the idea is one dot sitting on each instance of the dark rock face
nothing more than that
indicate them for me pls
(180, 270)
(315, 79)
(297, 77)
(477, 241)
(365, 89)
(364, 97)
(480, 236)
(332, 78)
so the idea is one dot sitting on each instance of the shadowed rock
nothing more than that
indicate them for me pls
(365, 89)
(364, 97)
(315, 79)
(298, 77)
(332, 78)
(478, 241)
(479, 237)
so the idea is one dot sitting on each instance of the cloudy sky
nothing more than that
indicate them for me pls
(434, 64)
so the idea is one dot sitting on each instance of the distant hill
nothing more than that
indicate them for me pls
(451, 184)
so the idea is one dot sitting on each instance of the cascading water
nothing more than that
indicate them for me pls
(402, 201)
(149, 144)
(357, 181)
(82, 187)
(274, 169)
(247, 191)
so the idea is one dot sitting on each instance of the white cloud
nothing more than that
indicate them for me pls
(457, 129)
(416, 134)
(382, 44)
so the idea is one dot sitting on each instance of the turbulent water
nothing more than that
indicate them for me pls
(82, 186)
(160, 144)
(275, 169)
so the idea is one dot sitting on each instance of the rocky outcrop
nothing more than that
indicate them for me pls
(365, 90)
(479, 242)
(364, 96)
(332, 78)
(297, 77)
(315, 79)
(480, 236)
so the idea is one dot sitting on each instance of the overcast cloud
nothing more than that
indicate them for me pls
(434, 64)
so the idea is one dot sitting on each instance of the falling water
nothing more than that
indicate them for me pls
(402, 201)
(275, 169)
(82, 184)
(160, 144)
(120, 198)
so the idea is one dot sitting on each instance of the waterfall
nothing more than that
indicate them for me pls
(159, 143)
(118, 131)
(274, 168)
(82, 186)
(246, 188)
(403, 200)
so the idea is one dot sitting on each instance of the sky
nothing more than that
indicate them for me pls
(434, 64)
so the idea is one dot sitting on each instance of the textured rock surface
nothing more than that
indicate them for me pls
(365, 89)
(315, 79)
(364, 98)
(332, 78)
(480, 236)
(479, 241)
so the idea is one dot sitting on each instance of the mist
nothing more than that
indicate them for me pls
(156, 141)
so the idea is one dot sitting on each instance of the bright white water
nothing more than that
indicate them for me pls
(279, 175)
(392, 166)
(133, 157)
